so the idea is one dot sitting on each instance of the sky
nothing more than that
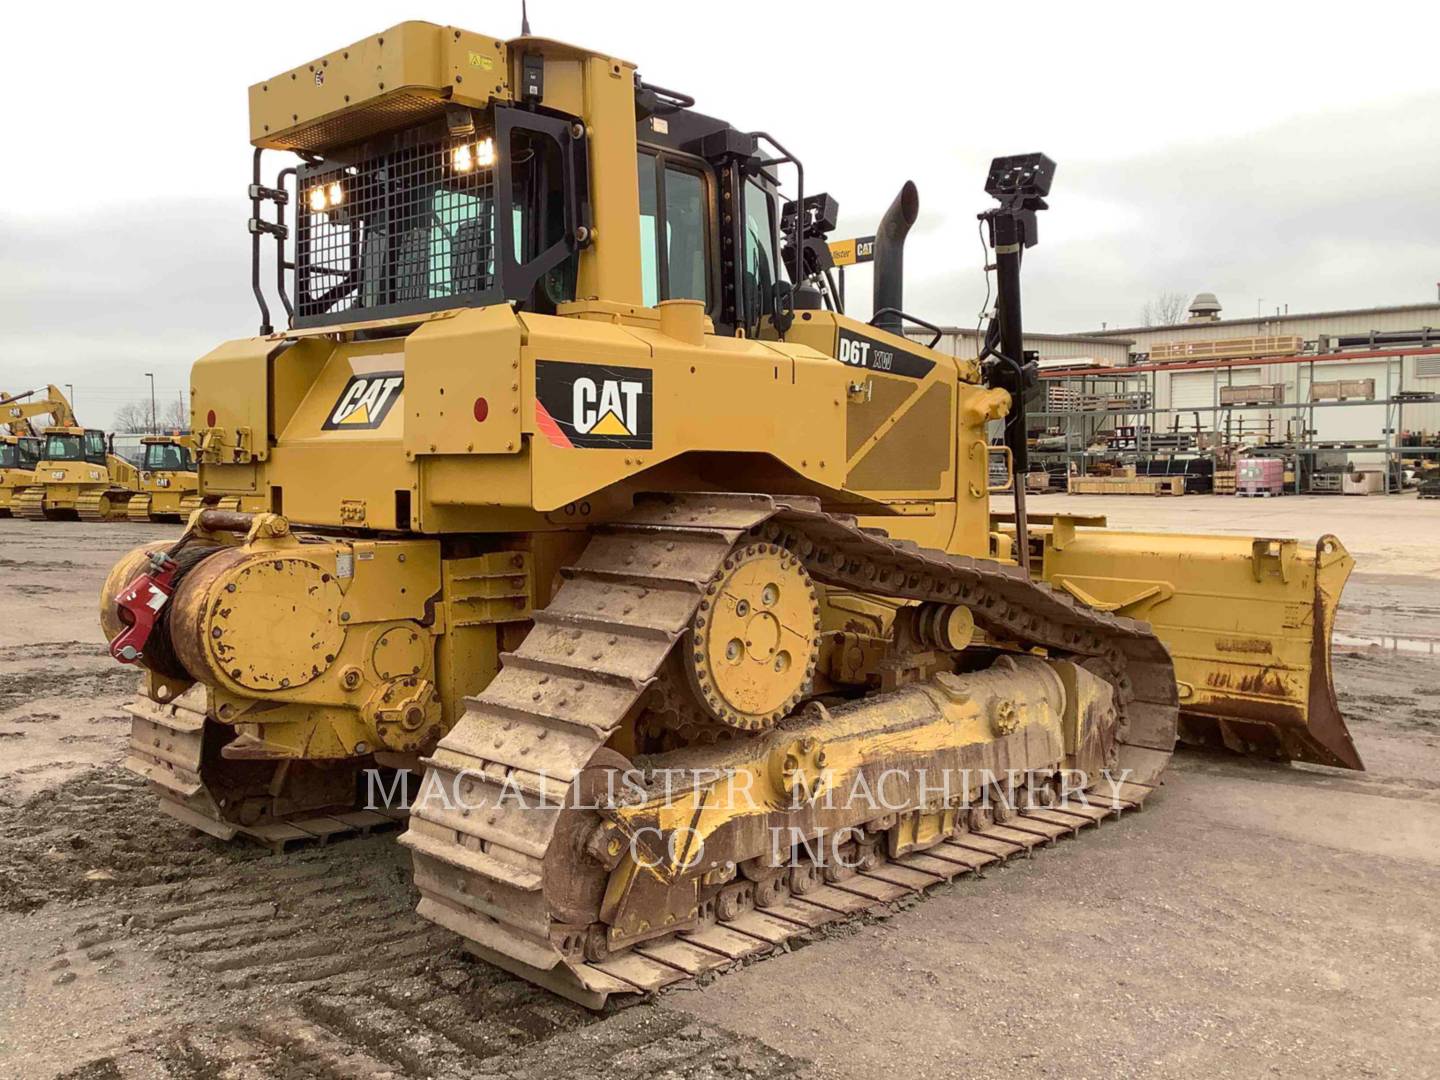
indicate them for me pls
(1274, 154)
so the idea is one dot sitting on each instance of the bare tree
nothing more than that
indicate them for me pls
(174, 415)
(1166, 309)
(133, 417)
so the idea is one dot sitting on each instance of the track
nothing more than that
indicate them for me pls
(138, 508)
(102, 504)
(29, 503)
(597, 648)
(174, 747)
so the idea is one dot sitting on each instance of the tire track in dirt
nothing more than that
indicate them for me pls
(316, 959)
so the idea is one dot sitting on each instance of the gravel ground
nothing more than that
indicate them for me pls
(1253, 920)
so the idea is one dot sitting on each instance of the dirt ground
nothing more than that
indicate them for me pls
(1254, 920)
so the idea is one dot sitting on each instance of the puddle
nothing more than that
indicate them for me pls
(1421, 646)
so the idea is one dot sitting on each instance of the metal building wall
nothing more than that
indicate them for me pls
(1084, 350)
(1307, 326)
(1310, 327)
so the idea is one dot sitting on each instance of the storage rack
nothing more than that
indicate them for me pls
(1083, 428)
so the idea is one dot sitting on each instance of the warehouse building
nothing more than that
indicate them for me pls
(1348, 401)
(1386, 345)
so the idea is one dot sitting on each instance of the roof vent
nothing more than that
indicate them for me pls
(1204, 308)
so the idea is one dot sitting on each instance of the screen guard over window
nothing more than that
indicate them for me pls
(426, 219)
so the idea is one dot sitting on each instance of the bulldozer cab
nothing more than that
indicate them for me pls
(516, 155)
(167, 454)
(19, 451)
(75, 444)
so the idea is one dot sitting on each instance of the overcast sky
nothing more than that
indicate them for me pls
(1273, 154)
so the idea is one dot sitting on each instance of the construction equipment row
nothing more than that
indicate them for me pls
(65, 470)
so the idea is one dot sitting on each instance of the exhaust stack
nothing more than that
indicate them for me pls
(890, 257)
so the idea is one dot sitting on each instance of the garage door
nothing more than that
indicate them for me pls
(1352, 423)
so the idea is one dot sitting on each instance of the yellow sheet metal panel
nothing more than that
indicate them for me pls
(608, 402)
(230, 396)
(399, 76)
(462, 384)
(341, 406)
(611, 269)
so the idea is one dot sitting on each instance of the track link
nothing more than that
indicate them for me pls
(138, 508)
(102, 504)
(168, 749)
(600, 644)
(29, 504)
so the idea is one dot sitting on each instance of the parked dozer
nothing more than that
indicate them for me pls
(679, 589)
(169, 480)
(20, 443)
(78, 477)
(170, 483)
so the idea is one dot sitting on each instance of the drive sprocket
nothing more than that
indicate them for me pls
(754, 641)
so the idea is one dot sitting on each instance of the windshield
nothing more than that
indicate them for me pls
(9, 456)
(167, 457)
(63, 448)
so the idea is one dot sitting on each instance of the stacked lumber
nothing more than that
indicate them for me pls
(1127, 485)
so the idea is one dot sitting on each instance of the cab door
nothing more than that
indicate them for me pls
(94, 446)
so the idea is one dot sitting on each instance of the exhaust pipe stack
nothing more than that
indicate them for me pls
(890, 257)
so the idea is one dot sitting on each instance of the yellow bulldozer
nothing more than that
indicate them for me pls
(169, 480)
(77, 474)
(20, 444)
(170, 483)
(669, 597)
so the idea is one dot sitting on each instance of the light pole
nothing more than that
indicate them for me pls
(153, 429)
(71, 388)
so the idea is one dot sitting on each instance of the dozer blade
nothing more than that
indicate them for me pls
(1247, 620)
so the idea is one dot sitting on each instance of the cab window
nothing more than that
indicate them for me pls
(649, 249)
(64, 448)
(167, 457)
(759, 250)
(674, 253)
(685, 235)
(95, 446)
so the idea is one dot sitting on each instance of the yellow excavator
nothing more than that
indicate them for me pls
(20, 443)
(668, 596)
